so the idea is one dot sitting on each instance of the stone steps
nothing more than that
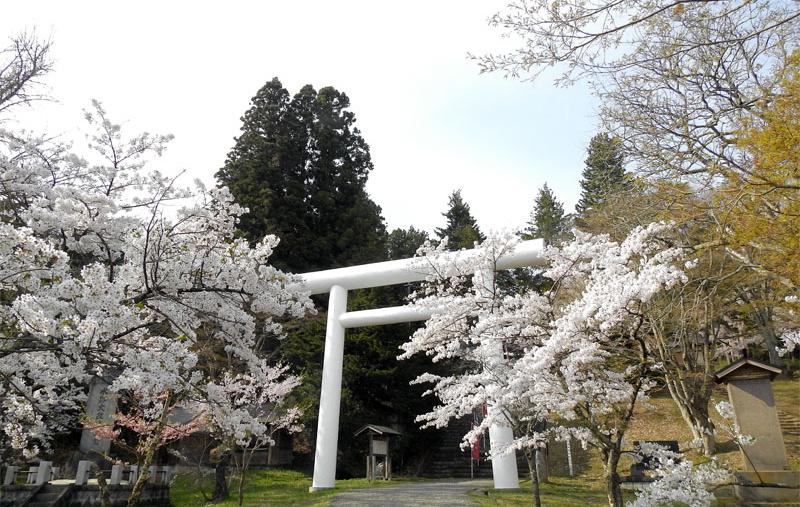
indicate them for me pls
(449, 460)
(790, 426)
(48, 496)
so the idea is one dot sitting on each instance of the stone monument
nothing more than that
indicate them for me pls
(99, 407)
(766, 476)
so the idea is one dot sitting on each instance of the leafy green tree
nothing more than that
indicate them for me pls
(462, 230)
(547, 218)
(603, 174)
(764, 202)
(300, 166)
(403, 243)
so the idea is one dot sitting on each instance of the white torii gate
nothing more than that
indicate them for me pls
(337, 282)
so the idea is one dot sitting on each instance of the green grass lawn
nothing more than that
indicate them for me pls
(559, 492)
(585, 489)
(262, 488)
(290, 488)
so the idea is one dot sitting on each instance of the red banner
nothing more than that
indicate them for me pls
(476, 447)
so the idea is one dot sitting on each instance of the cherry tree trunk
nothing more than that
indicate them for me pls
(220, 491)
(147, 459)
(692, 398)
(613, 489)
(530, 456)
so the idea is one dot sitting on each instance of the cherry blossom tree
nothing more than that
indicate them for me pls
(246, 411)
(679, 480)
(100, 276)
(574, 355)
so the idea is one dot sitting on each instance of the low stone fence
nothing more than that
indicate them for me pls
(118, 475)
(83, 490)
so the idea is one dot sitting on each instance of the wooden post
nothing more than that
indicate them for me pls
(371, 468)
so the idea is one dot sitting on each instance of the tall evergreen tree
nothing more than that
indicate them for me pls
(547, 218)
(603, 174)
(300, 166)
(462, 230)
(403, 243)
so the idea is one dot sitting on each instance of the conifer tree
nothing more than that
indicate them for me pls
(300, 166)
(547, 218)
(603, 174)
(403, 243)
(462, 230)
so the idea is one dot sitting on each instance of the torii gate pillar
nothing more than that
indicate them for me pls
(331, 393)
(337, 282)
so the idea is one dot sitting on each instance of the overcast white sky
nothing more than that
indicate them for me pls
(433, 123)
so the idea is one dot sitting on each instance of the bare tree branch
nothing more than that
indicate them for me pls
(22, 65)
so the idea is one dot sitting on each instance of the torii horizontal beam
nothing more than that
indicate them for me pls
(379, 274)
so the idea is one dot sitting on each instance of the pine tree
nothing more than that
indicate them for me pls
(462, 230)
(603, 174)
(301, 166)
(547, 218)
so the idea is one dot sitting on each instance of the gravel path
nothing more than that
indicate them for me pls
(448, 493)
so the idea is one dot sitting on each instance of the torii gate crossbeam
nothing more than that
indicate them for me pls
(337, 282)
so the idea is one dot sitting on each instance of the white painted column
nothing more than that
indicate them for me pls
(330, 394)
(504, 468)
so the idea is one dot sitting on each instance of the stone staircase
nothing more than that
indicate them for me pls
(49, 495)
(449, 460)
(790, 426)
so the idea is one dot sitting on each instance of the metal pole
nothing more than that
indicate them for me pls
(330, 394)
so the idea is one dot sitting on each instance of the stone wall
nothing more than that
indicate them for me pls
(17, 495)
(154, 495)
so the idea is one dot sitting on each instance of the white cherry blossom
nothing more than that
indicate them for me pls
(99, 279)
(571, 355)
